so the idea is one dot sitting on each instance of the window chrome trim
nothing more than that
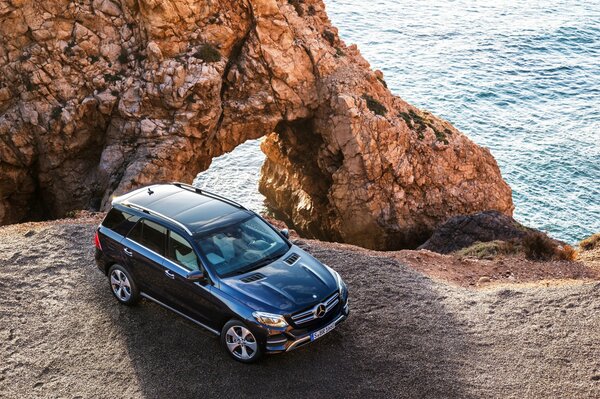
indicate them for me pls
(180, 314)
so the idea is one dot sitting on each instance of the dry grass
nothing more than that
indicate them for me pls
(538, 246)
(534, 246)
(488, 250)
(590, 243)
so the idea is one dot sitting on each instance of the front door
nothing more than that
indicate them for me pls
(192, 298)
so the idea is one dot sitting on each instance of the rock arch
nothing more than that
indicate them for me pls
(98, 97)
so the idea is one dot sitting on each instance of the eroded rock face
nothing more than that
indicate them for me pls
(98, 97)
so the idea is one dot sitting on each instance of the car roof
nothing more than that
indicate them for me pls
(195, 210)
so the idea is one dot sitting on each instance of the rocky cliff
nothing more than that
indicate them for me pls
(97, 97)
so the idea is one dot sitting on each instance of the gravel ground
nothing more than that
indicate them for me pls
(62, 334)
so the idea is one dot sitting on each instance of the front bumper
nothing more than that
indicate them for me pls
(287, 342)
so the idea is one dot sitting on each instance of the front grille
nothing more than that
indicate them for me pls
(309, 315)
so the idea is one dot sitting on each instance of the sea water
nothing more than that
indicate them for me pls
(521, 78)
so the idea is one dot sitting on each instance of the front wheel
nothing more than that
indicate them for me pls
(239, 342)
(122, 285)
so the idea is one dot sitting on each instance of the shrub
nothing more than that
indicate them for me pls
(329, 36)
(94, 59)
(208, 53)
(339, 52)
(590, 243)
(565, 252)
(538, 246)
(375, 106)
(420, 124)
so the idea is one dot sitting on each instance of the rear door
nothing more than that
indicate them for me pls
(144, 249)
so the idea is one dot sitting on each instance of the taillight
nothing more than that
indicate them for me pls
(97, 241)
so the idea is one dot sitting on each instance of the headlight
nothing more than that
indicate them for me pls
(340, 283)
(270, 319)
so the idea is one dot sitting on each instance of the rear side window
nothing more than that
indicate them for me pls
(151, 235)
(119, 221)
(181, 252)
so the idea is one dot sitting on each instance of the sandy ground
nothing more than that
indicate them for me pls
(63, 335)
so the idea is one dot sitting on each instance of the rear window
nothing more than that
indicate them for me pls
(119, 221)
(151, 235)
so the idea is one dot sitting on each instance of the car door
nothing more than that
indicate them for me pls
(114, 227)
(144, 249)
(193, 298)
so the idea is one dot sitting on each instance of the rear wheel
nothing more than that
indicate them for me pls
(239, 342)
(122, 285)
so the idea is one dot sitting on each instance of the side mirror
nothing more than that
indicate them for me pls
(285, 233)
(196, 275)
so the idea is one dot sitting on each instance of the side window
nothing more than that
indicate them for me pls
(119, 221)
(149, 234)
(180, 252)
(136, 233)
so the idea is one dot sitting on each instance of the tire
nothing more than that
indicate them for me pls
(239, 342)
(122, 285)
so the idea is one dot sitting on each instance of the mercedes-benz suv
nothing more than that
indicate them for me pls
(219, 265)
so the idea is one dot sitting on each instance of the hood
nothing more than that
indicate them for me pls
(284, 288)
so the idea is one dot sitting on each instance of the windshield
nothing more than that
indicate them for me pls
(241, 247)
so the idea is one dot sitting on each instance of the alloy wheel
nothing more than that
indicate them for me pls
(120, 285)
(241, 343)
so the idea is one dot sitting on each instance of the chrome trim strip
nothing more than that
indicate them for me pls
(301, 315)
(151, 212)
(309, 315)
(331, 305)
(179, 313)
(296, 343)
(304, 339)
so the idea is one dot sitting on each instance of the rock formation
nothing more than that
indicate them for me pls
(97, 97)
(462, 231)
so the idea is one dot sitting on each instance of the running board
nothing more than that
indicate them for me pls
(179, 313)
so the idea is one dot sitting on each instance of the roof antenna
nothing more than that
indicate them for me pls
(150, 192)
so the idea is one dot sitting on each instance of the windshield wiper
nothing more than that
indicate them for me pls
(261, 263)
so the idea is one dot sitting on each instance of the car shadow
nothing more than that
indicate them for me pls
(399, 341)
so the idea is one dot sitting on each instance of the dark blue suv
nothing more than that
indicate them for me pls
(219, 265)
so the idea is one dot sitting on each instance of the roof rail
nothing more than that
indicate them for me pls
(208, 194)
(154, 213)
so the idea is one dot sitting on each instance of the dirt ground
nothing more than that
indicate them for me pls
(63, 335)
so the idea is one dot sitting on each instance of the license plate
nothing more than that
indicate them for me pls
(321, 332)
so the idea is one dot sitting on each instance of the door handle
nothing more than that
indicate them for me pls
(127, 252)
(169, 274)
